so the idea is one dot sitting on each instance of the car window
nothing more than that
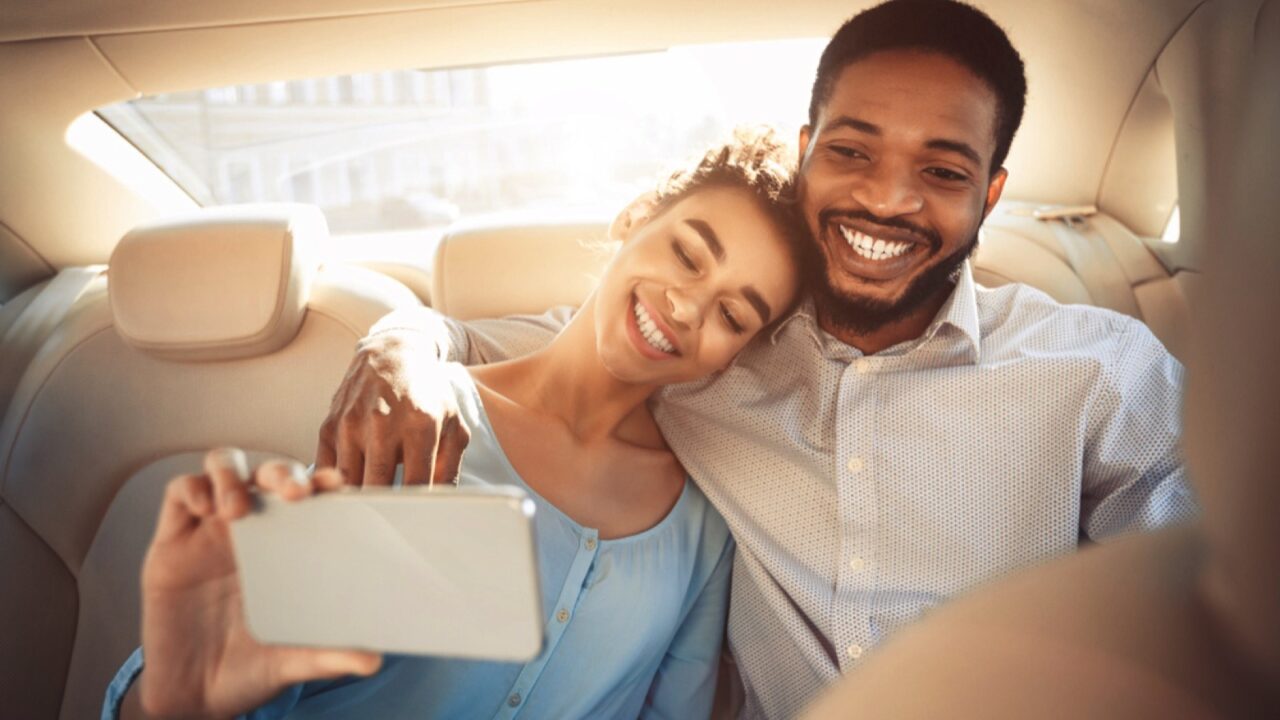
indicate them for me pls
(394, 157)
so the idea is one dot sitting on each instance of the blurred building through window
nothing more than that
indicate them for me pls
(392, 158)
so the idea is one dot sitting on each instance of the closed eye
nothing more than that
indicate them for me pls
(732, 322)
(683, 257)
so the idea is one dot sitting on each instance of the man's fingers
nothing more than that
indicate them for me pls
(453, 441)
(379, 458)
(419, 458)
(301, 664)
(326, 450)
(327, 447)
(228, 470)
(186, 498)
(350, 459)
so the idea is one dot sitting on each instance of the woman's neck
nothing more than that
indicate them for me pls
(567, 380)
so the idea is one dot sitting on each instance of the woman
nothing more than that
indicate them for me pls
(634, 561)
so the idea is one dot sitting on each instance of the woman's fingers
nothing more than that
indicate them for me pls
(228, 470)
(327, 480)
(287, 479)
(186, 499)
(297, 665)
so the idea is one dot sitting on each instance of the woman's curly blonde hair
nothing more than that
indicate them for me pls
(756, 158)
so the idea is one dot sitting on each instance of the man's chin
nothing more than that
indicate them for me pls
(858, 313)
(864, 305)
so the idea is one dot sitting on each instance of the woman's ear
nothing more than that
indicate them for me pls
(632, 217)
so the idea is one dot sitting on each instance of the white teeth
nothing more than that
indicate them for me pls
(650, 331)
(873, 248)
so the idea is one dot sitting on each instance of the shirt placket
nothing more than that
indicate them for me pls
(557, 624)
(855, 470)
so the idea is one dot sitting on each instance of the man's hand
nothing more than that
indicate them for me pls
(200, 659)
(391, 408)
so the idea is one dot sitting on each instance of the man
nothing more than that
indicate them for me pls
(903, 436)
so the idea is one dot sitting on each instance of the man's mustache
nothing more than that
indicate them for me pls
(826, 217)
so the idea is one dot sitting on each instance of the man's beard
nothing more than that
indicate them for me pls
(865, 315)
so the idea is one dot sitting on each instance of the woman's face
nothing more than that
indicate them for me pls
(691, 286)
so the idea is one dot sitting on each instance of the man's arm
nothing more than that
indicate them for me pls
(392, 407)
(1134, 477)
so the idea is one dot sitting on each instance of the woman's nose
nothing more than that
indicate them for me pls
(684, 308)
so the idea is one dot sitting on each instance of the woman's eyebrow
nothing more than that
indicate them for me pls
(708, 236)
(762, 308)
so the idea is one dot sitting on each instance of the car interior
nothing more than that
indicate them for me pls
(143, 321)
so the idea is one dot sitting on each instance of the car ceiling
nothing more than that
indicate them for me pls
(1086, 59)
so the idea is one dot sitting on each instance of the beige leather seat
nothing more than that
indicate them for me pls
(1093, 260)
(495, 269)
(216, 329)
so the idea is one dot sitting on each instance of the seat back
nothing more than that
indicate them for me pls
(216, 329)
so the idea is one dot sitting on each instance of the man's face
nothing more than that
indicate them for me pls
(895, 180)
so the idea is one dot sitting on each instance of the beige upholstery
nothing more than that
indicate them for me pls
(517, 267)
(217, 284)
(92, 414)
(501, 269)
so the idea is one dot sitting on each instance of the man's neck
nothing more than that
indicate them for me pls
(870, 342)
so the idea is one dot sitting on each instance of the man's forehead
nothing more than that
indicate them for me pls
(931, 90)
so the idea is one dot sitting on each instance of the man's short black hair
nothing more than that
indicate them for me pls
(959, 31)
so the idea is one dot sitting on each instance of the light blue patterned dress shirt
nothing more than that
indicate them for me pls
(634, 625)
(863, 491)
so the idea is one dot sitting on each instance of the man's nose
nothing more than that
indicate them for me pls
(685, 309)
(889, 190)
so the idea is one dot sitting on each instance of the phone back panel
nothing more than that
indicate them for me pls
(432, 572)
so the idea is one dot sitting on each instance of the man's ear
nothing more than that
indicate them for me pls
(633, 216)
(994, 189)
(806, 134)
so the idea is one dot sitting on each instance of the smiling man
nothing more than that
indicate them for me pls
(906, 434)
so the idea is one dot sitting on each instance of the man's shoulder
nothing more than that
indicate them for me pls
(1021, 315)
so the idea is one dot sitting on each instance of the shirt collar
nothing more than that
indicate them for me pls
(960, 312)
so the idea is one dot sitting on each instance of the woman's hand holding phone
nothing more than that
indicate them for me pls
(201, 660)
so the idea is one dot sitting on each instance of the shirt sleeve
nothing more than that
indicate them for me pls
(120, 684)
(481, 341)
(495, 339)
(128, 674)
(1133, 474)
(685, 684)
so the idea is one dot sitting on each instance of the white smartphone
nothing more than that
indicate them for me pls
(426, 571)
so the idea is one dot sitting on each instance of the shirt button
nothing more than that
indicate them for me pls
(562, 615)
(855, 464)
(857, 563)
(514, 700)
(855, 651)
(591, 543)
(862, 365)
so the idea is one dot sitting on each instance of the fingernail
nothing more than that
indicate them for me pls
(235, 459)
(298, 474)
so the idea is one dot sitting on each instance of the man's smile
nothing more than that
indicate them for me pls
(874, 252)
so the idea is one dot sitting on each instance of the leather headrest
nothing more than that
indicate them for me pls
(218, 284)
(517, 265)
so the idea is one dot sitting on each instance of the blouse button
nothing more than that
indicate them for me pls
(591, 543)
